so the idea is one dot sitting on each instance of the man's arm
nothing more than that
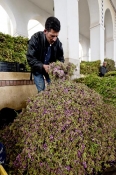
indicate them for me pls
(32, 55)
(102, 71)
(46, 67)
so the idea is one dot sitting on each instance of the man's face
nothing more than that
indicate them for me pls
(51, 36)
(104, 64)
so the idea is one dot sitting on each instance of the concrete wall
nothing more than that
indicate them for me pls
(15, 88)
(90, 23)
(110, 31)
(20, 12)
(85, 43)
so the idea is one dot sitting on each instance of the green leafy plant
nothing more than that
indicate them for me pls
(13, 49)
(106, 86)
(110, 64)
(87, 67)
(111, 73)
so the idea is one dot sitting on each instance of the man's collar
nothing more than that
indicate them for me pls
(48, 44)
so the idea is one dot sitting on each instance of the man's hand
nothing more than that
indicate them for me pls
(46, 67)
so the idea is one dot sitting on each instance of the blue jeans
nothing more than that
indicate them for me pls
(40, 81)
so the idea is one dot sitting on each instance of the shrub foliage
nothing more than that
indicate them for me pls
(106, 86)
(110, 73)
(110, 64)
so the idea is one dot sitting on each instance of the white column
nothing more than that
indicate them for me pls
(67, 12)
(114, 51)
(85, 43)
(110, 49)
(60, 8)
(85, 47)
(21, 32)
(97, 42)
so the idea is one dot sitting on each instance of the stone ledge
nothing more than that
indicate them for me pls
(14, 75)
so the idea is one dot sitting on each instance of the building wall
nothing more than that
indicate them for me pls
(85, 43)
(15, 89)
(110, 31)
(20, 12)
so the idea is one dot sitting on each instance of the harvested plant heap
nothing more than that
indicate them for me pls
(106, 86)
(66, 130)
(89, 67)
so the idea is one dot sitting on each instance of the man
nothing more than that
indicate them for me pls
(102, 69)
(43, 49)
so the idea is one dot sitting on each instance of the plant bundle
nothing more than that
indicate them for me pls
(61, 71)
(65, 130)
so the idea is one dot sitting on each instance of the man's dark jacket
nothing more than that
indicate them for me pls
(102, 71)
(36, 52)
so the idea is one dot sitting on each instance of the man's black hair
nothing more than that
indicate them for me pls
(52, 23)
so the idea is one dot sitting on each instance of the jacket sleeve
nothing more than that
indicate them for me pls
(32, 55)
(60, 54)
(102, 70)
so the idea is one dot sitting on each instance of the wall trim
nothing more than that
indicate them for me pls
(15, 82)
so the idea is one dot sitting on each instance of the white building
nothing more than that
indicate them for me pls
(92, 23)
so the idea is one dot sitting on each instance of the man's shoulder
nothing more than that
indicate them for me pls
(58, 43)
(59, 40)
(38, 34)
(37, 37)
(101, 67)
